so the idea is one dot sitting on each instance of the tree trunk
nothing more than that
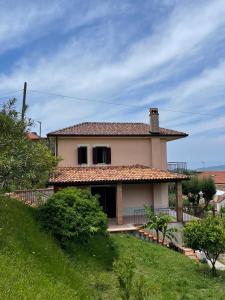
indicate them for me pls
(157, 236)
(213, 268)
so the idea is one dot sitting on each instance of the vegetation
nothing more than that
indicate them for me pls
(124, 270)
(23, 163)
(72, 214)
(130, 285)
(192, 188)
(207, 235)
(34, 267)
(159, 223)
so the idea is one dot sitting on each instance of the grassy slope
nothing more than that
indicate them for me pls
(32, 266)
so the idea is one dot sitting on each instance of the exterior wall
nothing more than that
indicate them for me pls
(135, 196)
(159, 153)
(124, 151)
(160, 195)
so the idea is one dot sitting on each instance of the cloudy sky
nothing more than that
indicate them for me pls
(115, 59)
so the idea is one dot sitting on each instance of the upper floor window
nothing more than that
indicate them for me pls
(82, 155)
(101, 155)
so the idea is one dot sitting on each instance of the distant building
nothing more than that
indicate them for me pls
(217, 176)
(33, 136)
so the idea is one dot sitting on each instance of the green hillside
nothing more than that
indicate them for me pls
(32, 266)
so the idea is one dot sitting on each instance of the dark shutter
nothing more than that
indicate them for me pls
(94, 155)
(82, 155)
(79, 151)
(108, 155)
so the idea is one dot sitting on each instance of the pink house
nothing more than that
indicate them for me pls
(125, 163)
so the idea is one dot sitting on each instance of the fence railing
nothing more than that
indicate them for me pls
(32, 197)
(140, 216)
(178, 167)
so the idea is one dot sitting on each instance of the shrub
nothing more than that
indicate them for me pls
(131, 284)
(159, 223)
(124, 270)
(72, 214)
(207, 235)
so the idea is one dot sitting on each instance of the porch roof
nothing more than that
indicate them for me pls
(112, 174)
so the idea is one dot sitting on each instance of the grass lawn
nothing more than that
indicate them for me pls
(32, 266)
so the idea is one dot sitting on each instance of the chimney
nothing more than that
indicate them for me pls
(154, 120)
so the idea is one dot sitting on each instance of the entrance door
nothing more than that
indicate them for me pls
(107, 199)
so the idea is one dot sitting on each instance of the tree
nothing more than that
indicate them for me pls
(72, 214)
(208, 188)
(207, 235)
(192, 187)
(23, 163)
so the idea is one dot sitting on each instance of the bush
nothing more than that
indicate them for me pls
(72, 214)
(124, 270)
(207, 235)
(131, 285)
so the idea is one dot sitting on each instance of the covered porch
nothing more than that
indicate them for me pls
(137, 214)
(124, 190)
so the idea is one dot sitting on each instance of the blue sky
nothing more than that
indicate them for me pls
(143, 53)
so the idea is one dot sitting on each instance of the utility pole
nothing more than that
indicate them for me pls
(39, 122)
(24, 106)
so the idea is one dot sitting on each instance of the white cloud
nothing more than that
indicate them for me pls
(85, 64)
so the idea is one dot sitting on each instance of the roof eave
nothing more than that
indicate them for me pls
(174, 136)
(99, 182)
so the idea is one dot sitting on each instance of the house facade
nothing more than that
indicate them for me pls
(124, 163)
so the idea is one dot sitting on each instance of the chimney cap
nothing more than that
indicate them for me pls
(153, 111)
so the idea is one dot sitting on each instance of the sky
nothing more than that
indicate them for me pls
(111, 60)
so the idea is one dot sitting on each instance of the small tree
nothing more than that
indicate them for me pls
(207, 235)
(124, 269)
(192, 189)
(72, 214)
(208, 188)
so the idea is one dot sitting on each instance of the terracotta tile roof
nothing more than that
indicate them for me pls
(33, 136)
(137, 173)
(218, 176)
(112, 129)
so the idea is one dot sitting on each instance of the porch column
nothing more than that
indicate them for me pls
(179, 202)
(119, 204)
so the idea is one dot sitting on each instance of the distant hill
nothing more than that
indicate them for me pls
(213, 168)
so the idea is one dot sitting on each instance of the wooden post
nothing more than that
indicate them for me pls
(179, 202)
(119, 204)
(24, 106)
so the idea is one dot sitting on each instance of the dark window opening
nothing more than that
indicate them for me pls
(101, 155)
(82, 155)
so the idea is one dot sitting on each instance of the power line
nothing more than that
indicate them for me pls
(11, 93)
(81, 99)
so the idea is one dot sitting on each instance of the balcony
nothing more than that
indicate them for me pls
(178, 167)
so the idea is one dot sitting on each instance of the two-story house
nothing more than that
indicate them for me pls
(125, 163)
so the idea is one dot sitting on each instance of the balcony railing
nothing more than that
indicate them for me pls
(178, 167)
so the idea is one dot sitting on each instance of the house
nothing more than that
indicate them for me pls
(219, 199)
(217, 176)
(33, 136)
(125, 163)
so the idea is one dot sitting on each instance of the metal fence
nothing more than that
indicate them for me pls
(178, 167)
(32, 197)
(140, 216)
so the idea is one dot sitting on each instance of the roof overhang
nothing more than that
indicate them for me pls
(112, 175)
